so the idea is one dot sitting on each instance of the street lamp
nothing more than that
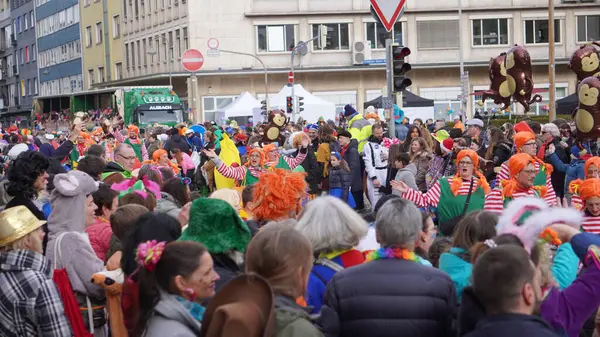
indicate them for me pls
(154, 52)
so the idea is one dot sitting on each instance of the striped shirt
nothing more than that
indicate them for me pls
(591, 224)
(432, 197)
(239, 172)
(494, 202)
(504, 174)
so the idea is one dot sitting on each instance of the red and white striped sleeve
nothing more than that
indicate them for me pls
(231, 172)
(551, 194)
(504, 173)
(576, 202)
(591, 225)
(431, 198)
(293, 162)
(494, 202)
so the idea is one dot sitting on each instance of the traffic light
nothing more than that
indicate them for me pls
(300, 103)
(263, 107)
(400, 68)
(290, 104)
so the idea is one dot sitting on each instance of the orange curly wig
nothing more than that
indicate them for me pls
(277, 193)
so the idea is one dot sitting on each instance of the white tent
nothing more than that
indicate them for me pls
(242, 106)
(314, 107)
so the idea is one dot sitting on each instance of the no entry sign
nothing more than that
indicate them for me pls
(192, 60)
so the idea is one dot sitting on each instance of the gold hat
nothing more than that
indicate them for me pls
(17, 222)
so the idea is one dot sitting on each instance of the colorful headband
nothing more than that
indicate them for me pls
(337, 155)
(132, 185)
(312, 127)
(148, 254)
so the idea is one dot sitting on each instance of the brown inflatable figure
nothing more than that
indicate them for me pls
(585, 61)
(518, 66)
(587, 115)
(274, 129)
(502, 87)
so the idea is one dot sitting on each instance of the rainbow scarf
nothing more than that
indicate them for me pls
(392, 253)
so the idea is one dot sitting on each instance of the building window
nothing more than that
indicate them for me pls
(33, 52)
(127, 55)
(490, 32)
(178, 43)
(376, 34)
(163, 37)
(116, 26)
(588, 28)
(139, 52)
(536, 31)
(88, 36)
(212, 103)
(35, 86)
(27, 54)
(19, 27)
(32, 20)
(444, 98)
(118, 71)
(144, 53)
(22, 53)
(98, 32)
(276, 38)
(186, 46)
(26, 21)
(338, 36)
(171, 56)
(90, 77)
(437, 34)
(101, 78)
(132, 47)
(538, 107)
(87, 2)
(23, 92)
(29, 88)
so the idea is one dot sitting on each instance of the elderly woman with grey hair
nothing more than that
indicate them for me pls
(333, 229)
(392, 284)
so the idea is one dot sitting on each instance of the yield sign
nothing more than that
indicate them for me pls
(388, 11)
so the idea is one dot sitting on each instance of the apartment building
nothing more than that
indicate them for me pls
(7, 39)
(337, 72)
(59, 47)
(19, 76)
(102, 41)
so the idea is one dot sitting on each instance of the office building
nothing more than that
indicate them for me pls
(59, 47)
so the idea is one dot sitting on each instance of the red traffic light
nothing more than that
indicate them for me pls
(289, 101)
(401, 52)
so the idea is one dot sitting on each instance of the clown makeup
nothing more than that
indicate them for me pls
(335, 162)
(312, 134)
(530, 148)
(593, 172)
(526, 177)
(593, 205)
(466, 168)
(254, 159)
(133, 135)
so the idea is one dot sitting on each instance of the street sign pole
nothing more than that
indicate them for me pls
(389, 81)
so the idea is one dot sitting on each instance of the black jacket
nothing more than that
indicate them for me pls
(500, 154)
(340, 178)
(112, 166)
(20, 200)
(226, 268)
(470, 312)
(557, 177)
(177, 142)
(352, 157)
(383, 298)
(313, 172)
(512, 325)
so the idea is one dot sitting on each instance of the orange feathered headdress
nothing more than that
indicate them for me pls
(592, 161)
(457, 182)
(590, 189)
(516, 164)
(521, 138)
(133, 128)
(277, 193)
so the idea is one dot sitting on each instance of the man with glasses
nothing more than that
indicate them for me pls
(525, 142)
(521, 184)
(125, 158)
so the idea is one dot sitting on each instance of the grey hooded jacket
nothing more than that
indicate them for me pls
(171, 319)
(407, 174)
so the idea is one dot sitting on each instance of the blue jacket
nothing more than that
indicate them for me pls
(195, 143)
(458, 269)
(573, 171)
(565, 266)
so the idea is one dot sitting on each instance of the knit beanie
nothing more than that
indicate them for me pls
(216, 225)
(447, 145)
(68, 201)
(349, 111)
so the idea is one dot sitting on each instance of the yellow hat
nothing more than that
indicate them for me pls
(17, 222)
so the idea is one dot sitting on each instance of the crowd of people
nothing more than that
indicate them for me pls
(443, 229)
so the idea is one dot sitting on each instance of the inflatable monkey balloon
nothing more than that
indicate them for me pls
(518, 66)
(585, 61)
(587, 114)
(501, 87)
(274, 129)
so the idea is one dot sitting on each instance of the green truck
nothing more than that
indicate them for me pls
(142, 106)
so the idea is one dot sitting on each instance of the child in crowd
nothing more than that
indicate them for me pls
(340, 179)
(121, 221)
